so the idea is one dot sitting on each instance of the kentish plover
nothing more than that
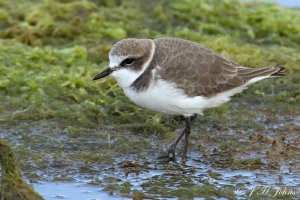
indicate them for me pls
(178, 77)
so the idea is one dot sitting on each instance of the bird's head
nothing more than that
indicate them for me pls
(128, 59)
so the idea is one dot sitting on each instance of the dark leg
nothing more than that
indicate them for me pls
(186, 137)
(186, 132)
(172, 148)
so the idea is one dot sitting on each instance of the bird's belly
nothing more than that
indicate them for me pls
(166, 98)
(160, 103)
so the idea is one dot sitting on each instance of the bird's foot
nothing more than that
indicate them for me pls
(169, 155)
(171, 152)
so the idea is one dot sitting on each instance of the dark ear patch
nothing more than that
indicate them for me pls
(138, 64)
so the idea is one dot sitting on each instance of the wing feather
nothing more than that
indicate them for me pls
(198, 70)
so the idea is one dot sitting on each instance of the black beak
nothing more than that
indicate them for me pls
(104, 73)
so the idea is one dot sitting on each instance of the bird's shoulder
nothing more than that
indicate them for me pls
(174, 49)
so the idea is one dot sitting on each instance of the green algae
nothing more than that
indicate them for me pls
(138, 195)
(125, 187)
(209, 190)
(251, 163)
(164, 186)
(111, 187)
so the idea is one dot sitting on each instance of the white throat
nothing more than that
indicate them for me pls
(125, 77)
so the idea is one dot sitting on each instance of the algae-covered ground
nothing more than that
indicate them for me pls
(79, 139)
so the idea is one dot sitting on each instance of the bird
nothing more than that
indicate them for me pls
(178, 77)
(13, 187)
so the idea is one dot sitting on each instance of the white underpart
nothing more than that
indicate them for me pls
(256, 79)
(163, 96)
(126, 77)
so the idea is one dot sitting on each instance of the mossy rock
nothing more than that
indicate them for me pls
(13, 186)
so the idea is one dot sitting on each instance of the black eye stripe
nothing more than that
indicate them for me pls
(127, 61)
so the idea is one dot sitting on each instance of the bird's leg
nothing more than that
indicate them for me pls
(172, 148)
(186, 131)
(188, 124)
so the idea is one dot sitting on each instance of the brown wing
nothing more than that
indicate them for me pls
(198, 70)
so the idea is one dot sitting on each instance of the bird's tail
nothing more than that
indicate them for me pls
(279, 71)
(250, 73)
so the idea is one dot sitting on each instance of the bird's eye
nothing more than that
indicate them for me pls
(128, 61)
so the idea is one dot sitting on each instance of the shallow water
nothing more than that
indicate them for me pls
(72, 191)
(242, 180)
